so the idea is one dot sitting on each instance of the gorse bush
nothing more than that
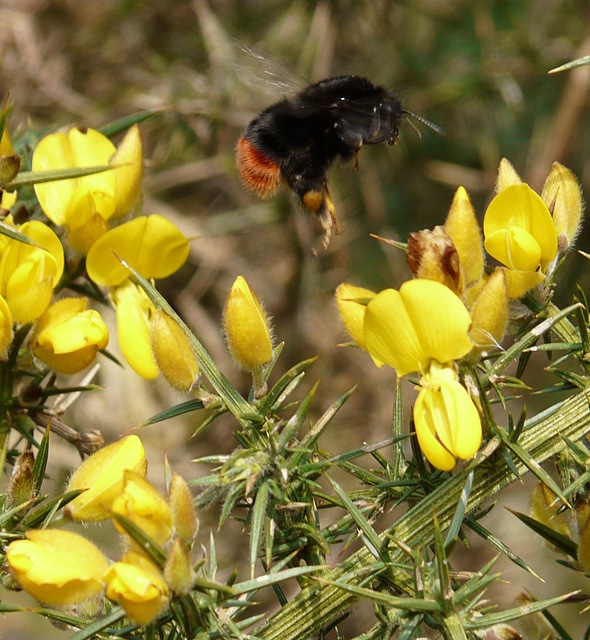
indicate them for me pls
(462, 332)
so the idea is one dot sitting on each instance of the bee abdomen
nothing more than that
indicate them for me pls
(258, 172)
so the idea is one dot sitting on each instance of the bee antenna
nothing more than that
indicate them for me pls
(429, 124)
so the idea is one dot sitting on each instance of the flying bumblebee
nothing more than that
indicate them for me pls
(296, 140)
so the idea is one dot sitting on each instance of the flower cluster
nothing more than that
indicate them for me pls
(455, 308)
(95, 210)
(63, 568)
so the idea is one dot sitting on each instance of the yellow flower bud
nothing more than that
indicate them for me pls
(68, 336)
(102, 474)
(489, 315)
(563, 196)
(138, 586)
(182, 508)
(144, 506)
(247, 328)
(432, 255)
(178, 570)
(352, 313)
(173, 352)
(465, 232)
(57, 567)
(507, 176)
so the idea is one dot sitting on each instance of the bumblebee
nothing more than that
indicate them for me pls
(295, 141)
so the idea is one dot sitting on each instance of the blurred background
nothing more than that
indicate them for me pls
(477, 68)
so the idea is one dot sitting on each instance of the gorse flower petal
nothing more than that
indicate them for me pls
(152, 245)
(5, 325)
(77, 148)
(447, 422)
(138, 586)
(144, 506)
(519, 230)
(134, 317)
(68, 336)
(128, 161)
(402, 329)
(28, 273)
(102, 474)
(57, 567)
(352, 313)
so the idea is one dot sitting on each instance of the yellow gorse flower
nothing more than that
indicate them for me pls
(424, 327)
(138, 586)
(28, 273)
(68, 336)
(402, 330)
(102, 474)
(152, 245)
(446, 420)
(520, 233)
(85, 205)
(57, 567)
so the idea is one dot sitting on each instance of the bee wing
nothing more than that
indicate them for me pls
(270, 78)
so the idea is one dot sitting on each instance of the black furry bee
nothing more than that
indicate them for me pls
(296, 140)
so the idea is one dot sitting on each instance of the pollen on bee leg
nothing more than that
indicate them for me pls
(313, 200)
(327, 218)
(258, 172)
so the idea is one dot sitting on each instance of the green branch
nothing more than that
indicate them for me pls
(317, 606)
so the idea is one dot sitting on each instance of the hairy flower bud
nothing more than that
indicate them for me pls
(182, 508)
(173, 351)
(432, 255)
(563, 197)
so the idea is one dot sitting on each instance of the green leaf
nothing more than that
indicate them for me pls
(29, 178)
(173, 412)
(578, 62)
(259, 515)
(40, 464)
(502, 617)
(273, 578)
(370, 537)
(148, 546)
(459, 516)
(558, 540)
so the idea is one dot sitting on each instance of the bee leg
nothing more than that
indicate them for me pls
(356, 160)
(327, 218)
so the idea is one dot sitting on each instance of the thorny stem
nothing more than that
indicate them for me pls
(542, 438)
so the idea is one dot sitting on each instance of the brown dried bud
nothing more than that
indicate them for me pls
(431, 255)
(20, 488)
